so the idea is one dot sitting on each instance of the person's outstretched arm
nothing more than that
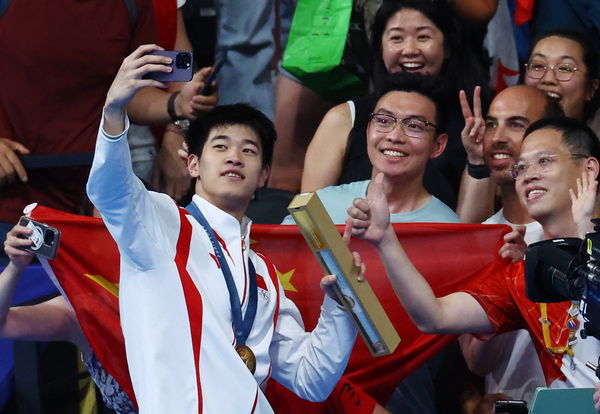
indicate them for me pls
(127, 208)
(455, 313)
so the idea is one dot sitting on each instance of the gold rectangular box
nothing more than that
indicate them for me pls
(335, 258)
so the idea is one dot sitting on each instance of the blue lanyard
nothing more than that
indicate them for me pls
(241, 326)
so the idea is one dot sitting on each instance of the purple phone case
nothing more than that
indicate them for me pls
(180, 73)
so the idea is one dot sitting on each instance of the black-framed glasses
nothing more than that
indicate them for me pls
(412, 126)
(563, 71)
(542, 163)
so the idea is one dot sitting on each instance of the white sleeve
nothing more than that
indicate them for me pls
(311, 364)
(127, 208)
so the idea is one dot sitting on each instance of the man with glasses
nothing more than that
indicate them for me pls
(556, 177)
(405, 130)
(509, 362)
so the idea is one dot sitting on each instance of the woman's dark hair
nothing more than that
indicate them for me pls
(463, 69)
(590, 57)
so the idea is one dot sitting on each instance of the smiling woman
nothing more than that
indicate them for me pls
(412, 43)
(408, 36)
(564, 64)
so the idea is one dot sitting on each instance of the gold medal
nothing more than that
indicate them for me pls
(247, 356)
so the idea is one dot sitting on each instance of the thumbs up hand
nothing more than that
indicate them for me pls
(369, 218)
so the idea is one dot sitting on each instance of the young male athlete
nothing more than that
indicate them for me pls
(204, 318)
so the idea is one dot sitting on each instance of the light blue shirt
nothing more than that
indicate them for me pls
(337, 199)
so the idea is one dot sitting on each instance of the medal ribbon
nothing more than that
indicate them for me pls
(241, 326)
(572, 326)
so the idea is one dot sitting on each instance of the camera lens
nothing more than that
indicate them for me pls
(49, 237)
(183, 60)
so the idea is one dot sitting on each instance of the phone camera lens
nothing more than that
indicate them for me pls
(48, 237)
(183, 60)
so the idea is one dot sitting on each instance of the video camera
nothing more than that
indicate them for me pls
(567, 269)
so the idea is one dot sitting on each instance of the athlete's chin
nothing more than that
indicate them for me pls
(236, 196)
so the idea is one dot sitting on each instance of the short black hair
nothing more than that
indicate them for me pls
(428, 86)
(577, 136)
(228, 115)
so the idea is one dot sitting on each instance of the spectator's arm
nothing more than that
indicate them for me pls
(325, 154)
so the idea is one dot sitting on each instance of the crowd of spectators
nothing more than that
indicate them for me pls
(443, 135)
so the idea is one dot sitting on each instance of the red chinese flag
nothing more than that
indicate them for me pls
(87, 268)
(448, 255)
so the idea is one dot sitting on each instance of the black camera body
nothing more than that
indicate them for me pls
(567, 269)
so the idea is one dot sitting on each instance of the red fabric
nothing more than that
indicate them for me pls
(58, 61)
(165, 12)
(448, 255)
(523, 11)
(502, 72)
(501, 292)
(86, 248)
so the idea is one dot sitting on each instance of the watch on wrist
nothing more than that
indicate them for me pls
(183, 125)
(171, 107)
(478, 171)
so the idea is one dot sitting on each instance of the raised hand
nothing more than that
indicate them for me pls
(128, 81)
(369, 217)
(472, 133)
(129, 78)
(11, 167)
(514, 245)
(584, 201)
(189, 102)
(14, 244)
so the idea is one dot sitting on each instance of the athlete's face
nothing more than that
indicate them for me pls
(230, 168)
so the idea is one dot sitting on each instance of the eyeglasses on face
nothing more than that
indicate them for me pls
(563, 71)
(542, 163)
(412, 126)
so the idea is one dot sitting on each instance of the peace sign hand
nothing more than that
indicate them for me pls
(472, 133)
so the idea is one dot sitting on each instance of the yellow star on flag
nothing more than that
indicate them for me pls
(286, 280)
(111, 287)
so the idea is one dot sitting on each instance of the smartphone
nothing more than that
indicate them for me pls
(182, 64)
(45, 238)
(207, 89)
